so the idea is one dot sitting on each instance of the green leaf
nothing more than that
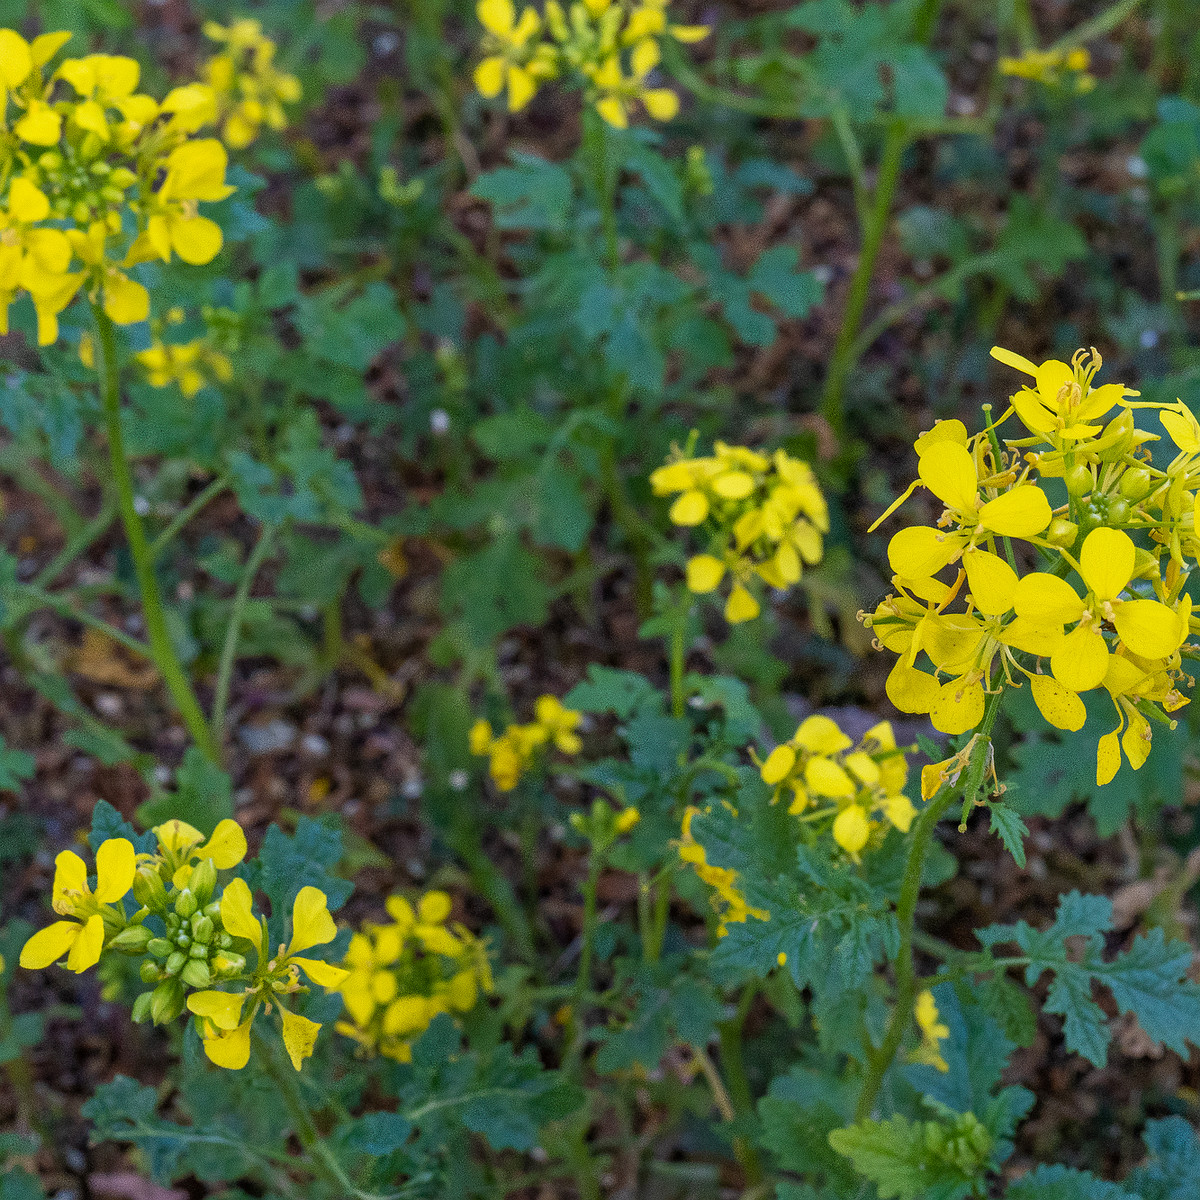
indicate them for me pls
(1064, 1183)
(1010, 829)
(1149, 980)
(377, 1133)
(534, 194)
(798, 1113)
(924, 1160)
(15, 766)
(608, 690)
(108, 823)
(1173, 1169)
(496, 589)
(308, 858)
(203, 795)
(349, 333)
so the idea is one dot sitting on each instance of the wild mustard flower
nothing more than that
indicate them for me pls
(1106, 606)
(610, 47)
(1059, 69)
(87, 158)
(403, 974)
(187, 365)
(511, 754)
(729, 901)
(194, 948)
(764, 517)
(859, 789)
(249, 90)
(94, 919)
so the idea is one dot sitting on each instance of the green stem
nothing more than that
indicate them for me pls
(76, 544)
(162, 649)
(234, 630)
(734, 1068)
(1098, 25)
(321, 1159)
(583, 980)
(185, 514)
(604, 180)
(63, 606)
(843, 360)
(677, 652)
(881, 1059)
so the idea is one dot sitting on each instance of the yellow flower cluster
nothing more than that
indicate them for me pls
(610, 46)
(764, 517)
(250, 90)
(402, 975)
(1104, 606)
(194, 940)
(1055, 68)
(859, 789)
(80, 150)
(731, 905)
(512, 753)
(189, 365)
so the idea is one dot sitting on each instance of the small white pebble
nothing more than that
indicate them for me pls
(439, 422)
(459, 780)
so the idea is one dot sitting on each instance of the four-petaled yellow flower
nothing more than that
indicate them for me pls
(512, 753)
(94, 919)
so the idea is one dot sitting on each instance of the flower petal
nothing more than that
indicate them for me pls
(958, 707)
(237, 913)
(1022, 512)
(85, 950)
(779, 765)
(70, 881)
(116, 862)
(1059, 705)
(851, 828)
(322, 973)
(226, 847)
(1080, 660)
(992, 581)
(948, 471)
(49, 945)
(311, 923)
(1106, 562)
(920, 551)
(911, 690)
(1047, 600)
(223, 1009)
(299, 1036)
(1148, 628)
(1108, 757)
(231, 1049)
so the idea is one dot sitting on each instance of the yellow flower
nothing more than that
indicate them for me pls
(731, 905)
(1053, 68)
(102, 81)
(195, 172)
(34, 258)
(83, 938)
(933, 1032)
(248, 90)
(616, 91)
(515, 63)
(181, 845)
(559, 723)
(188, 365)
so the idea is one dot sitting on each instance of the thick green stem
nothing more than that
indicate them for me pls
(162, 649)
(234, 631)
(880, 1060)
(604, 180)
(677, 652)
(844, 358)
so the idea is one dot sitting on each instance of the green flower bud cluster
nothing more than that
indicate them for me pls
(964, 1143)
(80, 190)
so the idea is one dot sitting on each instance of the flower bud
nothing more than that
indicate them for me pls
(141, 1008)
(202, 929)
(226, 965)
(1118, 511)
(196, 974)
(1117, 438)
(150, 972)
(1078, 480)
(175, 963)
(198, 951)
(1062, 533)
(1145, 565)
(148, 889)
(166, 1001)
(186, 904)
(160, 947)
(213, 910)
(203, 881)
(1135, 484)
(133, 939)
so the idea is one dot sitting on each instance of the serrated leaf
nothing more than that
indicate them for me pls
(1064, 1183)
(608, 690)
(1173, 1169)
(1007, 825)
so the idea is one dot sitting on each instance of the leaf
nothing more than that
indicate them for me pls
(897, 1157)
(108, 823)
(1010, 829)
(534, 194)
(377, 1133)
(15, 767)
(495, 589)
(1064, 1183)
(203, 795)
(608, 690)
(350, 333)
(286, 864)
(1172, 1171)
(797, 1115)
(1149, 980)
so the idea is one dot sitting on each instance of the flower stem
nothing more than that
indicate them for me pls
(321, 1159)
(734, 1066)
(833, 406)
(162, 649)
(678, 650)
(234, 630)
(881, 1059)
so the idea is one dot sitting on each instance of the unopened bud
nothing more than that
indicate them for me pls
(202, 929)
(1079, 480)
(148, 889)
(132, 940)
(186, 904)
(198, 951)
(226, 965)
(196, 974)
(203, 881)
(150, 972)
(175, 963)
(1135, 484)
(141, 1008)
(160, 947)
(166, 1001)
